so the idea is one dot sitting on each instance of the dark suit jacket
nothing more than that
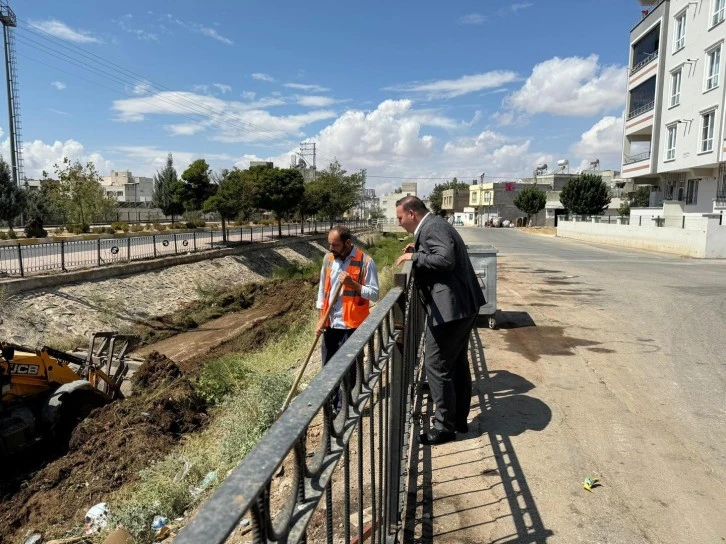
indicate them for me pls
(444, 276)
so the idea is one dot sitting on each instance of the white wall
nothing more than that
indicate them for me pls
(707, 242)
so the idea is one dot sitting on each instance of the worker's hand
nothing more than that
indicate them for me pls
(409, 248)
(320, 327)
(345, 279)
(403, 258)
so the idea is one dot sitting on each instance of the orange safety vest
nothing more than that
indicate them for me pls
(355, 307)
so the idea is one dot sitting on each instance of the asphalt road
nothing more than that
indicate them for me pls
(610, 362)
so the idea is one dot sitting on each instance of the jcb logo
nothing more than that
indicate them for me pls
(31, 370)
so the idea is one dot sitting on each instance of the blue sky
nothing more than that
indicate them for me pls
(404, 89)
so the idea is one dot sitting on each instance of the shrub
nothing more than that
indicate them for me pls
(59, 230)
(159, 226)
(120, 225)
(34, 229)
(109, 230)
(137, 228)
(12, 235)
(76, 228)
(3, 235)
(200, 223)
(98, 230)
(190, 225)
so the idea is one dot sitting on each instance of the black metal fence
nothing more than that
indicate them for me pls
(320, 477)
(25, 258)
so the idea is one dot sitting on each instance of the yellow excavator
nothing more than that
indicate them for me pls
(46, 392)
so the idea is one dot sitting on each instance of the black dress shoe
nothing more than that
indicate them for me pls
(462, 427)
(435, 437)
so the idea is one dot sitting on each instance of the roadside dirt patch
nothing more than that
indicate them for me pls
(105, 451)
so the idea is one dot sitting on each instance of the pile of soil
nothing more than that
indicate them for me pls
(105, 451)
(51, 493)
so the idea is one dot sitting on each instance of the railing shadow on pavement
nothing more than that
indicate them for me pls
(506, 411)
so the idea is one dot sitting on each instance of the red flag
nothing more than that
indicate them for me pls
(509, 186)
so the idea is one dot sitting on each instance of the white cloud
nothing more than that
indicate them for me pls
(212, 33)
(57, 112)
(224, 89)
(306, 87)
(473, 19)
(259, 76)
(450, 88)
(315, 101)
(230, 120)
(142, 88)
(39, 156)
(572, 86)
(59, 29)
(249, 95)
(519, 6)
(486, 142)
(603, 141)
(58, 85)
(140, 33)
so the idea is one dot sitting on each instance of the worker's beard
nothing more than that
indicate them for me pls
(343, 255)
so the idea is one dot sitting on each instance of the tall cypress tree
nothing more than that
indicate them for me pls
(12, 197)
(168, 190)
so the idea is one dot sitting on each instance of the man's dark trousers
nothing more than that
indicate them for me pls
(447, 371)
(333, 340)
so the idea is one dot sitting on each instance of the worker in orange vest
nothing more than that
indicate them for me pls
(357, 272)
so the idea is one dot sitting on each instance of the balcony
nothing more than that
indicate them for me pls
(641, 110)
(643, 63)
(630, 159)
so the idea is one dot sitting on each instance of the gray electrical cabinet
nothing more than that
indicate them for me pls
(484, 260)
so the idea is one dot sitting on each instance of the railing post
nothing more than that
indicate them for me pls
(20, 260)
(175, 251)
(63, 255)
(98, 250)
(128, 248)
(640, 220)
(397, 411)
(251, 240)
(153, 241)
(194, 236)
(683, 222)
(211, 238)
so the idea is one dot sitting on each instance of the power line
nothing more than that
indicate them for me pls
(178, 100)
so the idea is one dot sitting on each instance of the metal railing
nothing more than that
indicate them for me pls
(316, 451)
(630, 159)
(641, 110)
(645, 62)
(26, 258)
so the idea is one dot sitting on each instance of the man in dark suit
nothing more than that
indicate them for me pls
(451, 294)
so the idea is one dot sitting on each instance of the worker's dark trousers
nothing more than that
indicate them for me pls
(447, 371)
(333, 339)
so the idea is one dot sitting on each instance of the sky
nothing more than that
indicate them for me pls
(410, 91)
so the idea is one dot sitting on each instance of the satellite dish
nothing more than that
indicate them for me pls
(595, 165)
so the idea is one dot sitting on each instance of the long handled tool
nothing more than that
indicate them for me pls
(293, 390)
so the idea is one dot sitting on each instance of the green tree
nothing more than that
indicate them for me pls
(624, 209)
(437, 194)
(310, 202)
(36, 209)
(338, 190)
(198, 185)
(586, 194)
(280, 192)
(81, 196)
(229, 199)
(641, 199)
(12, 197)
(168, 192)
(531, 201)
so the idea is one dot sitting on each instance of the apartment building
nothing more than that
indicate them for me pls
(388, 201)
(454, 200)
(674, 128)
(125, 187)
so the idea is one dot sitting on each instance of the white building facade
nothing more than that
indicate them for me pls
(674, 127)
(125, 187)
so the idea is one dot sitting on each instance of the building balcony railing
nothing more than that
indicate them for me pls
(645, 62)
(641, 110)
(630, 159)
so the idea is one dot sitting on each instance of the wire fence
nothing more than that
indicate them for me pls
(25, 258)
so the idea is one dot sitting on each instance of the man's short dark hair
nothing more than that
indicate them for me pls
(343, 232)
(412, 203)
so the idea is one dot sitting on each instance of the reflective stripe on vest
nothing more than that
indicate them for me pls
(355, 308)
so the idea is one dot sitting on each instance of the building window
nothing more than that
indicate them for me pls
(680, 36)
(719, 9)
(671, 143)
(675, 88)
(713, 67)
(474, 198)
(708, 120)
(692, 191)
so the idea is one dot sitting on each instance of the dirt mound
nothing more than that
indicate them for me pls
(156, 369)
(105, 451)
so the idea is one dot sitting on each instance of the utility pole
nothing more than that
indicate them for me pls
(9, 21)
(307, 149)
